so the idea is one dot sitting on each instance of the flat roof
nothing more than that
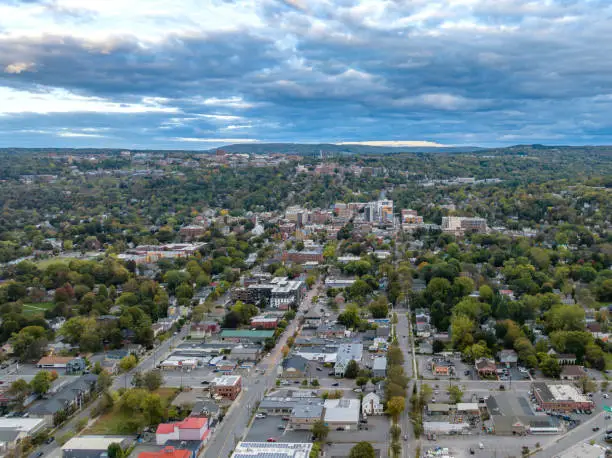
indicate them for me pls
(246, 333)
(342, 410)
(272, 450)
(92, 442)
(226, 380)
(20, 424)
(583, 450)
(558, 392)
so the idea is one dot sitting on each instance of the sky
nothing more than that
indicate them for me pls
(197, 74)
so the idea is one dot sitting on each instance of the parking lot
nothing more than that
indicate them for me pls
(263, 429)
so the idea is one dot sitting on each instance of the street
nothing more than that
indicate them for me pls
(234, 426)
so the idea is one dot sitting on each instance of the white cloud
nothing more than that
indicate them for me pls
(79, 134)
(19, 67)
(213, 140)
(63, 101)
(230, 102)
(394, 143)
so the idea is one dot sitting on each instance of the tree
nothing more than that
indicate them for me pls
(361, 381)
(425, 394)
(462, 328)
(396, 406)
(379, 309)
(352, 369)
(104, 381)
(438, 289)
(30, 343)
(455, 394)
(115, 451)
(320, 430)
(19, 390)
(127, 363)
(586, 384)
(395, 357)
(153, 380)
(549, 366)
(362, 450)
(41, 382)
(438, 346)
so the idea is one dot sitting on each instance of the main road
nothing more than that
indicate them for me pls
(254, 386)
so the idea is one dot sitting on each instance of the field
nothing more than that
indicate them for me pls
(114, 422)
(44, 263)
(38, 308)
(608, 357)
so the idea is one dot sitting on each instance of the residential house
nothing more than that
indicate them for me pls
(312, 320)
(111, 366)
(328, 331)
(572, 372)
(65, 401)
(379, 367)
(371, 405)
(564, 359)
(76, 366)
(204, 329)
(295, 366)
(508, 358)
(347, 353)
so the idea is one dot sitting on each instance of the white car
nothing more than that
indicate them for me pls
(605, 395)
(260, 415)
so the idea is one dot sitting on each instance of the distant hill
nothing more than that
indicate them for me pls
(314, 148)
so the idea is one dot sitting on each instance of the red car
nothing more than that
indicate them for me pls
(271, 439)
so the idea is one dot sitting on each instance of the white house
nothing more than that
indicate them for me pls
(371, 405)
(191, 428)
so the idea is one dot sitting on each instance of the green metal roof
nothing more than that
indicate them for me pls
(246, 333)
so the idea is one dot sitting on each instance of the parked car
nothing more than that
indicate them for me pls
(205, 382)
(335, 384)
(49, 440)
(472, 452)
(271, 439)
(281, 426)
(605, 395)
(260, 415)
(596, 428)
(357, 390)
(319, 369)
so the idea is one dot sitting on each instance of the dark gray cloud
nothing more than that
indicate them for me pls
(469, 71)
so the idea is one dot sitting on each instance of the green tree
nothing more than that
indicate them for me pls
(362, 450)
(549, 366)
(455, 394)
(30, 343)
(127, 363)
(352, 369)
(153, 380)
(320, 430)
(438, 346)
(361, 381)
(462, 329)
(19, 390)
(115, 451)
(396, 406)
(41, 383)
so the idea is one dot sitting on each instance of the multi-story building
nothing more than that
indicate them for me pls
(227, 386)
(379, 212)
(280, 293)
(459, 225)
(560, 397)
(301, 257)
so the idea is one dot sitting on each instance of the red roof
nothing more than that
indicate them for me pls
(165, 428)
(166, 452)
(193, 423)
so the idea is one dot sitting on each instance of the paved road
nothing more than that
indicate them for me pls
(234, 426)
(125, 380)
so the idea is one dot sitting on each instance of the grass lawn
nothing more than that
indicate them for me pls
(38, 308)
(112, 422)
(44, 263)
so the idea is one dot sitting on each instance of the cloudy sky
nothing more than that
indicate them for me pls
(194, 74)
